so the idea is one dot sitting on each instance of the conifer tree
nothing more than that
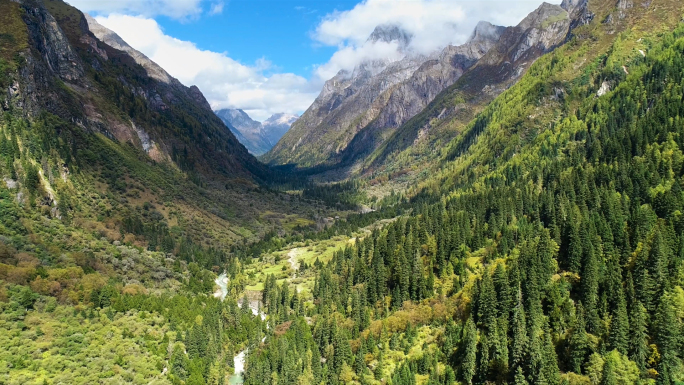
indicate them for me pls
(579, 344)
(468, 365)
(619, 325)
(638, 337)
(520, 341)
(667, 338)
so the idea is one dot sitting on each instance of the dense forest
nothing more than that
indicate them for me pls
(545, 245)
(561, 264)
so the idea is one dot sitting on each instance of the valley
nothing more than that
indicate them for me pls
(504, 211)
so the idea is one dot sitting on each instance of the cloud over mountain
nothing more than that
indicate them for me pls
(224, 81)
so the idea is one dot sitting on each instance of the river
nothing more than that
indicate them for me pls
(239, 359)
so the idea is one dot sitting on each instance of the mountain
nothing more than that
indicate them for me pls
(356, 127)
(247, 131)
(518, 47)
(74, 73)
(257, 137)
(378, 93)
(525, 227)
(346, 104)
(277, 125)
(543, 245)
(90, 114)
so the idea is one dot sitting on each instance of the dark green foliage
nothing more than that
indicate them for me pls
(586, 223)
(346, 195)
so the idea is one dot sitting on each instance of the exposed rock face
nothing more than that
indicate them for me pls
(383, 93)
(247, 131)
(388, 33)
(578, 11)
(89, 77)
(500, 67)
(434, 75)
(357, 113)
(54, 45)
(110, 38)
(256, 137)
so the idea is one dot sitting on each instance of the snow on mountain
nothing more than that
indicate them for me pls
(257, 137)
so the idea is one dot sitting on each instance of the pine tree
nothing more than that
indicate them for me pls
(520, 377)
(590, 280)
(667, 338)
(468, 365)
(579, 344)
(505, 302)
(486, 306)
(360, 361)
(179, 362)
(520, 341)
(638, 342)
(619, 326)
(608, 377)
(550, 361)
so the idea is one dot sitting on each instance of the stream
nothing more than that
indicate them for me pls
(239, 359)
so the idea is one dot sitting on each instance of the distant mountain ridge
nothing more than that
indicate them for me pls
(381, 107)
(257, 137)
(382, 92)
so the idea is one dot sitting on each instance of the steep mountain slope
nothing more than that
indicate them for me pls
(122, 196)
(94, 118)
(420, 140)
(378, 94)
(257, 137)
(544, 245)
(72, 74)
(249, 132)
(346, 103)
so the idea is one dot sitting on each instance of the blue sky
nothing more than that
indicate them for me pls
(269, 56)
(278, 31)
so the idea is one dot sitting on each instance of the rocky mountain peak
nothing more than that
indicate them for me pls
(280, 118)
(198, 97)
(110, 38)
(388, 33)
(255, 136)
(545, 14)
(238, 119)
(486, 32)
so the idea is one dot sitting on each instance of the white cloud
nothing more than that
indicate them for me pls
(347, 57)
(216, 8)
(433, 24)
(226, 83)
(177, 9)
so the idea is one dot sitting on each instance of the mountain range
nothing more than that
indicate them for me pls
(257, 137)
(505, 211)
(361, 114)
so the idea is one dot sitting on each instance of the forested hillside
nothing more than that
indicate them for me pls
(543, 244)
(121, 199)
(542, 254)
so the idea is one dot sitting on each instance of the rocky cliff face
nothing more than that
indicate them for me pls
(249, 132)
(378, 93)
(434, 75)
(500, 67)
(110, 38)
(257, 137)
(88, 76)
(331, 134)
